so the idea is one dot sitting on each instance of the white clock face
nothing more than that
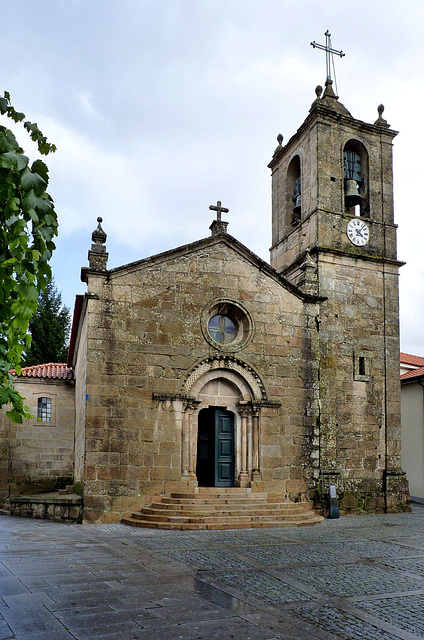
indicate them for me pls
(358, 232)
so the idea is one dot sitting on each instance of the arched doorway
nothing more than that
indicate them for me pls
(215, 448)
(235, 389)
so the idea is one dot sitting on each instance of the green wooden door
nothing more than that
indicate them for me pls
(215, 448)
(224, 448)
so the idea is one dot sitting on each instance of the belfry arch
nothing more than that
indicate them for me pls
(230, 386)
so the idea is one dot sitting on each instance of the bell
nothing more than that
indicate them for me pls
(297, 206)
(352, 195)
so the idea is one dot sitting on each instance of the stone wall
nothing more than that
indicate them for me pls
(359, 382)
(38, 456)
(80, 398)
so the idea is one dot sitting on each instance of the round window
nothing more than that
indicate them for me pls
(222, 329)
(226, 325)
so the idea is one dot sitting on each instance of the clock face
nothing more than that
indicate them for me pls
(358, 232)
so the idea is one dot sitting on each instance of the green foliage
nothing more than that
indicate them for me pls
(28, 224)
(49, 328)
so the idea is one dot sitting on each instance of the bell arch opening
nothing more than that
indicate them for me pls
(355, 171)
(294, 192)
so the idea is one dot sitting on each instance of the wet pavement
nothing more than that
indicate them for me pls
(359, 577)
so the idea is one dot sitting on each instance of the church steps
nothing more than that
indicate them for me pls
(226, 500)
(217, 508)
(194, 509)
(196, 526)
(225, 518)
(149, 513)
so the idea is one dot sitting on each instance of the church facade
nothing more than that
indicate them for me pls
(206, 366)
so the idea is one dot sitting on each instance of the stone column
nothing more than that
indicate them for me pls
(243, 476)
(192, 430)
(256, 472)
(185, 445)
(249, 444)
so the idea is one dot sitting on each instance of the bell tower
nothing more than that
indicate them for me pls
(332, 211)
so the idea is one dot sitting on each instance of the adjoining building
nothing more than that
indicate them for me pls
(412, 403)
(37, 456)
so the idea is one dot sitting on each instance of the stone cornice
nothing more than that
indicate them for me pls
(322, 113)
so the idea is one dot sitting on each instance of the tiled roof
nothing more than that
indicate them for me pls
(408, 359)
(51, 370)
(413, 373)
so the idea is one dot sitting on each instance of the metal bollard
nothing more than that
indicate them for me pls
(333, 511)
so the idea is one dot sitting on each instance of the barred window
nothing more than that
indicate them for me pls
(44, 409)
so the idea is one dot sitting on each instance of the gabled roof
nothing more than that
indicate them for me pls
(50, 371)
(413, 373)
(410, 360)
(223, 238)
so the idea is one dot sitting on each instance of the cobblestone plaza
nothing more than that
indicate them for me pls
(359, 577)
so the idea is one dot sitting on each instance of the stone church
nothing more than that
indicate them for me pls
(206, 369)
(204, 366)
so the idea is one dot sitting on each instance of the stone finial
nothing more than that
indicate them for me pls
(318, 91)
(99, 236)
(97, 256)
(381, 122)
(329, 91)
(280, 145)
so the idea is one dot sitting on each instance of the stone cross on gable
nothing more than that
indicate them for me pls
(219, 209)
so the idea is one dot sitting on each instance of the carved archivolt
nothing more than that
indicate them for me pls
(240, 374)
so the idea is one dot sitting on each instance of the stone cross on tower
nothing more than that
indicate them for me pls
(329, 52)
(218, 226)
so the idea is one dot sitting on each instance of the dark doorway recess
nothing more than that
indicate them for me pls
(215, 448)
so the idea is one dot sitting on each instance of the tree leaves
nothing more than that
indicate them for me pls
(28, 224)
(49, 328)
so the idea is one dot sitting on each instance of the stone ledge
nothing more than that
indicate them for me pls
(48, 506)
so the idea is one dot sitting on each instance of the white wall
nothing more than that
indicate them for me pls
(412, 407)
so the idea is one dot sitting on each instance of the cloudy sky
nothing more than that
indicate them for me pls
(160, 108)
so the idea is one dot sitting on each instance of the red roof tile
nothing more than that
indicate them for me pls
(51, 370)
(407, 358)
(413, 373)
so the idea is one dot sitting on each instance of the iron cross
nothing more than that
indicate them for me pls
(218, 209)
(328, 51)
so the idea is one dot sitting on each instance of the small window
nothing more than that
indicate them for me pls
(361, 367)
(44, 409)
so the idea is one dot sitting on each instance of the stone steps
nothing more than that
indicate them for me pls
(222, 508)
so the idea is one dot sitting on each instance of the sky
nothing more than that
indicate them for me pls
(160, 108)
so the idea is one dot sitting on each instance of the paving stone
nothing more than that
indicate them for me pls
(167, 632)
(287, 554)
(11, 586)
(343, 625)
(355, 578)
(262, 586)
(405, 612)
(208, 559)
(349, 580)
(46, 634)
(233, 628)
(5, 631)
(412, 565)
